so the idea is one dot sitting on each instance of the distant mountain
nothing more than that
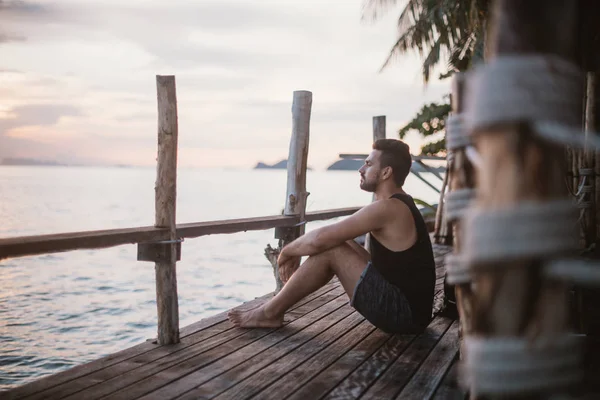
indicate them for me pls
(280, 165)
(29, 161)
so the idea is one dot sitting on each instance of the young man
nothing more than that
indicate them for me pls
(393, 286)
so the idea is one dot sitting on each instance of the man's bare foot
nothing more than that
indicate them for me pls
(254, 319)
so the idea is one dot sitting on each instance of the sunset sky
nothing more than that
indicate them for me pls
(77, 78)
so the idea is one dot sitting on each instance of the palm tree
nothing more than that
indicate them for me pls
(439, 30)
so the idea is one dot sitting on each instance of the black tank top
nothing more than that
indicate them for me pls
(412, 270)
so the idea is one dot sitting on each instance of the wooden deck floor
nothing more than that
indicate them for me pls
(325, 350)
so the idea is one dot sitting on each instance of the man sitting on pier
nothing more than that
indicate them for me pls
(393, 286)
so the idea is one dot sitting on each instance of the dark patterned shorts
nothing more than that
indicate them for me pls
(381, 303)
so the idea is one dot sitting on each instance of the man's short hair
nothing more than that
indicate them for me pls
(396, 154)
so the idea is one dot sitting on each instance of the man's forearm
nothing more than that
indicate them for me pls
(305, 245)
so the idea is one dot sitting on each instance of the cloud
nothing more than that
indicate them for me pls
(236, 62)
(35, 115)
(13, 12)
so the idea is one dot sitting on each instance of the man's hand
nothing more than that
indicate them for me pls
(287, 265)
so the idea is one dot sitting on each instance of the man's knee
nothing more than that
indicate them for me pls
(339, 252)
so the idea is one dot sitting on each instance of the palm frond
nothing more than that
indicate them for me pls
(436, 29)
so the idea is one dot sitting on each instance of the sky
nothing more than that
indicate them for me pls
(78, 79)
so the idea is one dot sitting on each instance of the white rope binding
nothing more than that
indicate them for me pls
(457, 270)
(529, 230)
(542, 90)
(524, 89)
(579, 272)
(457, 203)
(516, 365)
(457, 135)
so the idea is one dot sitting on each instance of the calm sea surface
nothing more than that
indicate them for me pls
(64, 309)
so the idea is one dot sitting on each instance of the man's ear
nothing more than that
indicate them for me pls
(387, 172)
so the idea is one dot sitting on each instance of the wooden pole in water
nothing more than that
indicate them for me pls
(296, 194)
(512, 298)
(166, 194)
(462, 176)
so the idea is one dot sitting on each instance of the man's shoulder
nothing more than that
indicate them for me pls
(396, 205)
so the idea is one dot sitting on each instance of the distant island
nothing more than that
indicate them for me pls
(279, 165)
(29, 161)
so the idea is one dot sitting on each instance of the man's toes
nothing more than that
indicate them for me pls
(235, 317)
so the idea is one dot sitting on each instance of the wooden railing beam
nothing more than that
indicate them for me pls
(43, 244)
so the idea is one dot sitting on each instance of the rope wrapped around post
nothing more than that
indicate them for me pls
(544, 93)
(458, 202)
(458, 137)
(457, 270)
(529, 230)
(517, 365)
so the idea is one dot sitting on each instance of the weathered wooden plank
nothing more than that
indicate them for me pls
(395, 377)
(43, 244)
(333, 375)
(369, 371)
(425, 381)
(202, 324)
(449, 388)
(251, 386)
(104, 380)
(173, 375)
(249, 359)
(130, 353)
(122, 375)
(300, 375)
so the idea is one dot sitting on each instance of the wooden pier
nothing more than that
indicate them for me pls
(325, 350)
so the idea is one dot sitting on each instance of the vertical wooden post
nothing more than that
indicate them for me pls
(296, 194)
(438, 234)
(462, 176)
(166, 194)
(295, 200)
(379, 128)
(590, 158)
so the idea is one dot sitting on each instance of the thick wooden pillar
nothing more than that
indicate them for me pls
(512, 298)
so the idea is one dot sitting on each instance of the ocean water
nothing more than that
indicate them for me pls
(60, 310)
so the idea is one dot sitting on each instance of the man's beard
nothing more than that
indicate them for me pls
(368, 186)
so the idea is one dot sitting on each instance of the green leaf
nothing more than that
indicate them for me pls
(425, 204)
